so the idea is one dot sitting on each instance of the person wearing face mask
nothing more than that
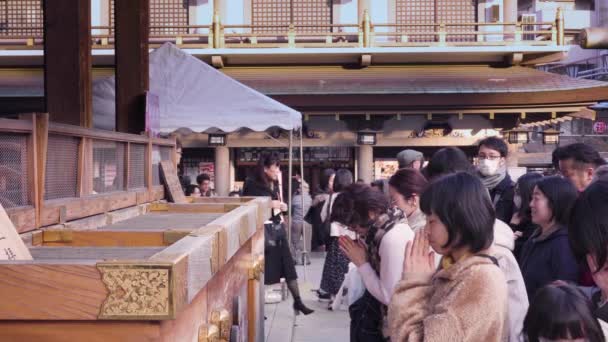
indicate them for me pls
(405, 188)
(492, 167)
(521, 222)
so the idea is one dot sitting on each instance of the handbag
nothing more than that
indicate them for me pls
(326, 225)
(274, 232)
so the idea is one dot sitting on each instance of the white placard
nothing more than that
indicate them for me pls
(11, 245)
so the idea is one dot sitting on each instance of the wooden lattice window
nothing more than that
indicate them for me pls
(315, 14)
(21, 17)
(270, 12)
(416, 12)
(457, 12)
(436, 11)
(165, 14)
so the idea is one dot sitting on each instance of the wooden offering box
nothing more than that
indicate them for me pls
(180, 272)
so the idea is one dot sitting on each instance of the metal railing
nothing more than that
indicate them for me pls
(364, 34)
(593, 68)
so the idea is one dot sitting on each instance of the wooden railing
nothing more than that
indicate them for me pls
(364, 34)
(54, 173)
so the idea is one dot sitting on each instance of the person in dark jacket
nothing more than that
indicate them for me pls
(547, 255)
(278, 262)
(492, 167)
(521, 222)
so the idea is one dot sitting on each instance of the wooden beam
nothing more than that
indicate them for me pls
(67, 61)
(132, 80)
(42, 136)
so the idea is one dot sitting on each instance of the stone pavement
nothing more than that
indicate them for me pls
(322, 325)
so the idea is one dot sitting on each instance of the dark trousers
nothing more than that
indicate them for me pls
(366, 320)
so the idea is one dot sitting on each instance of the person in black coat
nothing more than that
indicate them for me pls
(278, 262)
(547, 255)
(492, 167)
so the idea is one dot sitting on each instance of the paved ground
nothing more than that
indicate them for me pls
(322, 325)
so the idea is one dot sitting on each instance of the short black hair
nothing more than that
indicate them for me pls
(351, 208)
(561, 311)
(462, 204)
(582, 155)
(561, 194)
(525, 187)
(447, 160)
(202, 177)
(588, 229)
(343, 179)
(496, 144)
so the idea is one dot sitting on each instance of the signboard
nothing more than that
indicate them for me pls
(152, 114)
(11, 245)
(174, 188)
(209, 169)
(599, 127)
(385, 168)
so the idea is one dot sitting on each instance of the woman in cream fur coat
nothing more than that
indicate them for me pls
(466, 298)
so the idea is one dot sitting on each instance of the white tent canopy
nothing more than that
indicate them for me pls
(195, 96)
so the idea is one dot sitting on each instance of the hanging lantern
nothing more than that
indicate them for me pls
(518, 136)
(550, 136)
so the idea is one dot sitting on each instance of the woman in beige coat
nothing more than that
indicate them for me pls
(466, 299)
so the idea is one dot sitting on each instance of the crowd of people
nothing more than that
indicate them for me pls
(454, 251)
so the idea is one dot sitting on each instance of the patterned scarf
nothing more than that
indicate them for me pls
(382, 225)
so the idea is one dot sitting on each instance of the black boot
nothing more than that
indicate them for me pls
(298, 307)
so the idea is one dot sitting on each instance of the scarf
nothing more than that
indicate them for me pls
(382, 225)
(490, 182)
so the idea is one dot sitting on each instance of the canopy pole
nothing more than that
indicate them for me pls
(304, 250)
(289, 187)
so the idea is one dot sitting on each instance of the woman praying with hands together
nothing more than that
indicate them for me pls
(466, 298)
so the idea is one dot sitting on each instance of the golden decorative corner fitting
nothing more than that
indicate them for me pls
(208, 333)
(137, 291)
(222, 319)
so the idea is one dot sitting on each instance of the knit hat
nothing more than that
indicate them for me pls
(407, 157)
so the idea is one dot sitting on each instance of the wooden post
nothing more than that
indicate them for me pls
(132, 79)
(67, 61)
(41, 132)
(559, 24)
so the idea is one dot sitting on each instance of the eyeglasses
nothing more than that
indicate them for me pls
(483, 157)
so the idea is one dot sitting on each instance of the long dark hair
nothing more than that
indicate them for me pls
(266, 160)
(408, 182)
(588, 229)
(561, 311)
(525, 187)
(325, 176)
(352, 206)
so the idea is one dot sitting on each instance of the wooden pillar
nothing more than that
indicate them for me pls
(67, 61)
(222, 170)
(509, 13)
(132, 79)
(365, 163)
(362, 6)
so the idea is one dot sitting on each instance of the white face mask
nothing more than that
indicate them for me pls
(517, 201)
(488, 167)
